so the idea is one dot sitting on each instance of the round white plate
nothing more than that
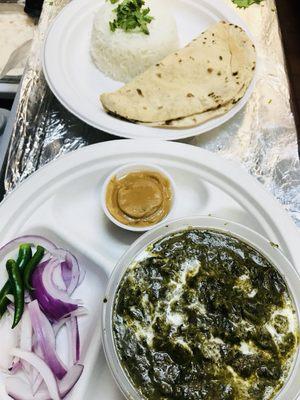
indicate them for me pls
(77, 83)
(62, 201)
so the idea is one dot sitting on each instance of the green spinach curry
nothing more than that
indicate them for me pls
(202, 315)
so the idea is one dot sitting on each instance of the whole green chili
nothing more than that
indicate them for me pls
(4, 301)
(24, 255)
(31, 265)
(16, 283)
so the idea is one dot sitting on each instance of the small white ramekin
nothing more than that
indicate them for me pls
(136, 167)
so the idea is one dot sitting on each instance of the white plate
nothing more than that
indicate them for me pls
(62, 201)
(77, 83)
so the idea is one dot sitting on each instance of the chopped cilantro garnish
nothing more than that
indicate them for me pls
(246, 3)
(131, 16)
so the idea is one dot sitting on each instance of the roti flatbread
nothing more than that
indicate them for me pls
(203, 80)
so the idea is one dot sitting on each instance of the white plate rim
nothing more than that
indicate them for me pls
(125, 128)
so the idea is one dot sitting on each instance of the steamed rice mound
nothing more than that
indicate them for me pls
(123, 55)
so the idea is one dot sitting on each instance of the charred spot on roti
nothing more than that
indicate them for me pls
(190, 95)
(160, 107)
(220, 58)
(219, 73)
(125, 118)
(140, 93)
(209, 70)
(235, 73)
(158, 75)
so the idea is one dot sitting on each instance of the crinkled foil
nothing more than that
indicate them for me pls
(262, 137)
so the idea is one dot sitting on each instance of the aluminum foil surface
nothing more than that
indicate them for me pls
(262, 137)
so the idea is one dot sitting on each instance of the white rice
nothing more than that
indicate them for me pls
(123, 55)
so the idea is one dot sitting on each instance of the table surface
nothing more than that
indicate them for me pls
(289, 16)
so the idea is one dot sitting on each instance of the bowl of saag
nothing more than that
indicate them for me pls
(203, 308)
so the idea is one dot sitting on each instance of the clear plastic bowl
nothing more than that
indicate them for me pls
(291, 388)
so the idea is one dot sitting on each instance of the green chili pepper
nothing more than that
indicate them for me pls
(4, 301)
(16, 283)
(31, 265)
(24, 255)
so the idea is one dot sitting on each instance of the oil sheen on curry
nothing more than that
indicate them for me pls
(139, 199)
(202, 315)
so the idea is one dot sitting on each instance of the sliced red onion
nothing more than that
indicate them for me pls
(54, 280)
(57, 278)
(37, 383)
(70, 379)
(11, 309)
(69, 268)
(46, 340)
(31, 239)
(82, 276)
(16, 365)
(43, 369)
(27, 297)
(10, 338)
(76, 339)
(55, 303)
(65, 385)
(26, 331)
(18, 389)
(77, 313)
(26, 337)
(58, 325)
(73, 340)
(70, 272)
(36, 377)
(11, 299)
(59, 253)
